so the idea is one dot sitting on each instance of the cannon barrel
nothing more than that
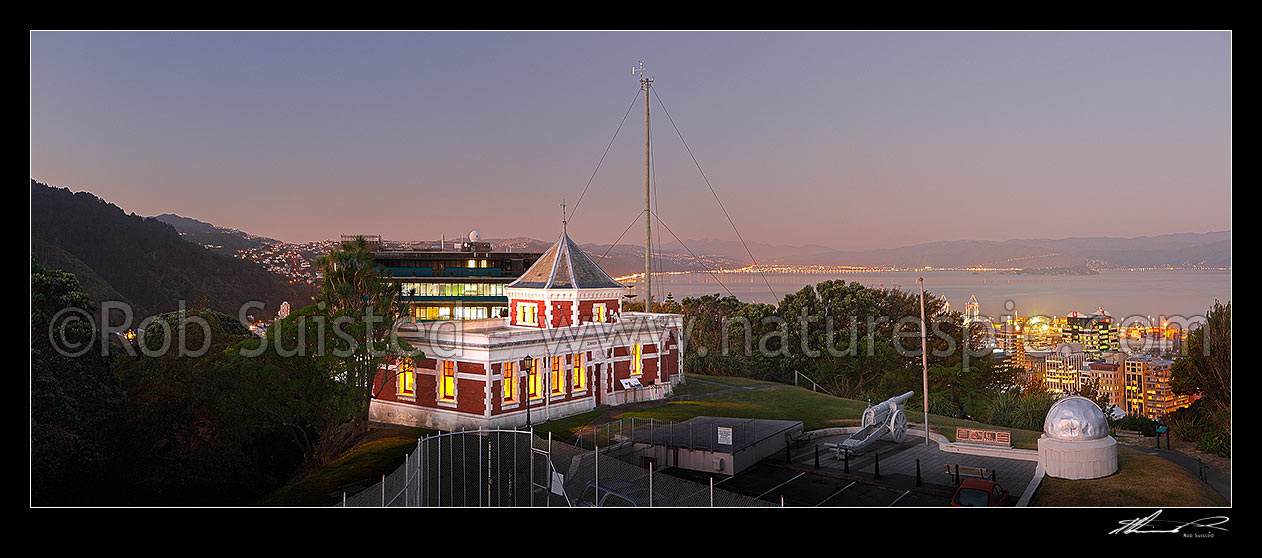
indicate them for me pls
(901, 398)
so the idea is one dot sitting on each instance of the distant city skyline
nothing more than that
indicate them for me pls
(850, 140)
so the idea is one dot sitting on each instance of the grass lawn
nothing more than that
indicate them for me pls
(1141, 480)
(698, 387)
(381, 452)
(815, 410)
(730, 381)
(562, 429)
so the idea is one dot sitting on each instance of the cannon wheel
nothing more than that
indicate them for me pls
(869, 417)
(898, 427)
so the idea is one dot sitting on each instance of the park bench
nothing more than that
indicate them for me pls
(1129, 433)
(964, 471)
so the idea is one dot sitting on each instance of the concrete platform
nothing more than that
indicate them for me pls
(799, 483)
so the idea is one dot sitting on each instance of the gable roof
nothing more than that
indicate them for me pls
(565, 266)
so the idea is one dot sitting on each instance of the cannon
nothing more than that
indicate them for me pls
(883, 419)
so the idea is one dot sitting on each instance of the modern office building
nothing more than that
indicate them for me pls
(462, 282)
(1096, 332)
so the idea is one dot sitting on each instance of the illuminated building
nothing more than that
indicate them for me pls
(1148, 391)
(972, 310)
(564, 347)
(1063, 368)
(1096, 332)
(1109, 377)
(458, 284)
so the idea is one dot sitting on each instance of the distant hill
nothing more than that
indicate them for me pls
(144, 261)
(220, 240)
(185, 225)
(1183, 249)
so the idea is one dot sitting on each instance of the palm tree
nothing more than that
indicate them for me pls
(353, 288)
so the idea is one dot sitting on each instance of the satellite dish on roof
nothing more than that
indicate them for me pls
(475, 235)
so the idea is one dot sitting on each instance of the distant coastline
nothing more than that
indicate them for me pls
(1070, 270)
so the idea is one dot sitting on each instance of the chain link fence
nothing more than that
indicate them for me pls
(516, 468)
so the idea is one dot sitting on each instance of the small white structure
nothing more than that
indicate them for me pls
(1075, 443)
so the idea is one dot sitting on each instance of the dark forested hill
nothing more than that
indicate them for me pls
(144, 260)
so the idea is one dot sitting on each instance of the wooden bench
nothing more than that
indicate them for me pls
(1131, 433)
(978, 472)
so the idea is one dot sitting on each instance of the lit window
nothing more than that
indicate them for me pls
(447, 387)
(407, 378)
(558, 376)
(600, 313)
(637, 359)
(482, 263)
(580, 373)
(510, 383)
(532, 379)
(528, 314)
(473, 263)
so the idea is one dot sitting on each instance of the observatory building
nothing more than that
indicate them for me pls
(564, 347)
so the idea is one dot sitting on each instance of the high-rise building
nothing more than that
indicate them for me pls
(1109, 377)
(1096, 332)
(1148, 392)
(1063, 368)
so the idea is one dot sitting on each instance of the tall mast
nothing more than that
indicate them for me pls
(645, 83)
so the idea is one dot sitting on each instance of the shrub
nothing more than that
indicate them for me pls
(1216, 443)
(1187, 428)
(1002, 410)
(1146, 426)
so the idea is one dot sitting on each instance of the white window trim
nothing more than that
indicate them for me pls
(455, 385)
(534, 305)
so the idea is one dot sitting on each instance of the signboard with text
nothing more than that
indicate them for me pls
(985, 437)
(725, 435)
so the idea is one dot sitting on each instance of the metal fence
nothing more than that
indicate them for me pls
(659, 432)
(516, 468)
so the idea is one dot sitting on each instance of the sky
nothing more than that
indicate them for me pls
(851, 140)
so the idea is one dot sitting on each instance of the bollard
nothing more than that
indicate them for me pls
(992, 475)
(918, 481)
(877, 474)
(956, 480)
(816, 456)
(847, 458)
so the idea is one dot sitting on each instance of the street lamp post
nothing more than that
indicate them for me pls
(525, 367)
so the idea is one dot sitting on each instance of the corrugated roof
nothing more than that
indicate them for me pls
(565, 266)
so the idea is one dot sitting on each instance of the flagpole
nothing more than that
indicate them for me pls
(924, 356)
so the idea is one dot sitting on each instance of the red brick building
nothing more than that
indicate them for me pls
(565, 348)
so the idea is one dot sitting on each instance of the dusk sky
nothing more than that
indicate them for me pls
(852, 140)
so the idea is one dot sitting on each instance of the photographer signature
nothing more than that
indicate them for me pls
(1150, 524)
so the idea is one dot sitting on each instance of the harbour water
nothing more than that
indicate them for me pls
(1121, 293)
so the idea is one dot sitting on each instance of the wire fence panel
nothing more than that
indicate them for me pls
(508, 468)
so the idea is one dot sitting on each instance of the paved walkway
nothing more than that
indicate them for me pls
(897, 463)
